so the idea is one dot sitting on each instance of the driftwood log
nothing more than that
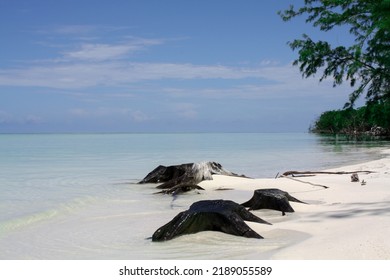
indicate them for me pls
(293, 175)
(210, 215)
(274, 199)
(181, 178)
(313, 173)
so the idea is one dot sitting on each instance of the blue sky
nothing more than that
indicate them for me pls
(156, 66)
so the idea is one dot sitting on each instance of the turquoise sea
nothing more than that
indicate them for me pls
(73, 196)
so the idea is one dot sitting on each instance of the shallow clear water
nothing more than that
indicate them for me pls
(71, 196)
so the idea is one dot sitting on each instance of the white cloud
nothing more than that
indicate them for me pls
(109, 112)
(269, 63)
(90, 74)
(93, 65)
(276, 82)
(96, 64)
(100, 52)
(265, 81)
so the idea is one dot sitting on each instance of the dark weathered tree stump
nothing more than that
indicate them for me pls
(166, 173)
(176, 179)
(210, 215)
(274, 199)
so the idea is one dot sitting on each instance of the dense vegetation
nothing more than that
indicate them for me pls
(369, 120)
(365, 64)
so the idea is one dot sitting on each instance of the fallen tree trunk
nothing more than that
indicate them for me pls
(312, 173)
(176, 179)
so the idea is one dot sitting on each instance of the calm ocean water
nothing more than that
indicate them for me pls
(71, 196)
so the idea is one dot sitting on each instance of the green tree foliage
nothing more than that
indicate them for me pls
(366, 63)
(367, 120)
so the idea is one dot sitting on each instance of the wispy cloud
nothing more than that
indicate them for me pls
(266, 81)
(109, 112)
(8, 118)
(94, 73)
(100, 52)
(95, 64)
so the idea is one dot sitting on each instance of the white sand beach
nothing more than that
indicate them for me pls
(347, 220)
(114, 219)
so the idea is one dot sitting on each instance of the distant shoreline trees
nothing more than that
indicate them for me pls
(365, 64)
(363, 122)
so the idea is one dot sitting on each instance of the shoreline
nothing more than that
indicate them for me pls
(110, 219)
(347, 220)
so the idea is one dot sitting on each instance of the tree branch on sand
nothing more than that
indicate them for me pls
(313, 173)
(295, 174)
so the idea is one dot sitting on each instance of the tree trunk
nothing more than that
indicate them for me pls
(176, 179)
